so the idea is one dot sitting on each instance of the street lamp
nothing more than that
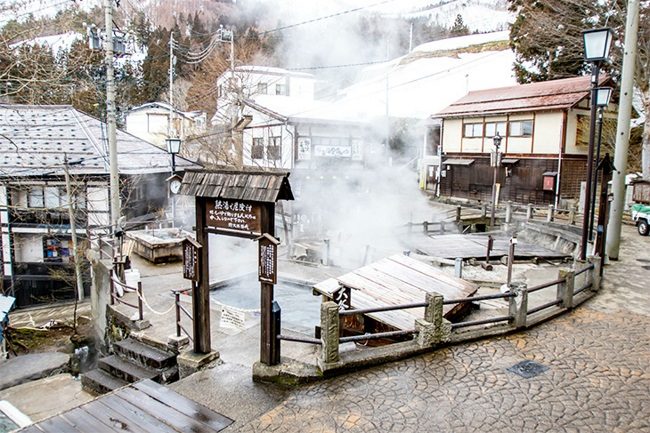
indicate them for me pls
(173, 147)
(597, 43)
(495, 163)
(602, 101)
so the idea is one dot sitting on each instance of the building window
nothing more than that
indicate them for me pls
(491, 128)
(257, 151)
(281, 89)
(521, 128)
(262, 88)
(52, 197)
(35, 197)
(57, 250)
(473, 130)
(274, 151)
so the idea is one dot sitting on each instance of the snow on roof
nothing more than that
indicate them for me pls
(165, 106)
(35, 139)
(59, 42)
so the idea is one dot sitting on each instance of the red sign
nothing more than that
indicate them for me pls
(549, 183)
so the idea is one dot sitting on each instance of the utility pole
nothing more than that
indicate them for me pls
(110, 117)
(73, 230)
(623, 130)
(170, 128)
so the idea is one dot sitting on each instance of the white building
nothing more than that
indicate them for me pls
(151, 122)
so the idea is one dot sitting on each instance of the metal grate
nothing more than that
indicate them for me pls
(527, 369)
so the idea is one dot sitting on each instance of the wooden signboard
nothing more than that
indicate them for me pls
(191, 257)
(268, 259)
(234, 216)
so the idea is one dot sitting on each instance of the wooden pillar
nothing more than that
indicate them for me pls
(201, 295)
(269, 342)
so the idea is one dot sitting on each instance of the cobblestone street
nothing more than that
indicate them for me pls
(598, 377)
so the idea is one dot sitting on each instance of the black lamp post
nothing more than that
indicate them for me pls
(495, 163)
(603, 95)
(173, 147)
(596, 44)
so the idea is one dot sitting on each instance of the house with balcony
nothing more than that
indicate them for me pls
(544, 128)
(38, 144)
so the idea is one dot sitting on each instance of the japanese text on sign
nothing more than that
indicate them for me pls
(267, 261)
(191, 260)
(234, 215)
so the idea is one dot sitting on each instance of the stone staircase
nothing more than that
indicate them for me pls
(132, 361)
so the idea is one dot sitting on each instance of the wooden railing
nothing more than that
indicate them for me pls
(179, 308)
(115, 282)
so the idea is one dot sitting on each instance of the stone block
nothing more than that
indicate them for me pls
(190, 362)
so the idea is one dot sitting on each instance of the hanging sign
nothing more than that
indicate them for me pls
(237, 216)
(191, 257)
(268, 259)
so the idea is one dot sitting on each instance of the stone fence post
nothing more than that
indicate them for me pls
(329, 322)
(529, 212)
(434, 328)
(550, 216)
(566, 288)
(483, 211)
(518, 304)
(572, 215)
(595, 273)
(508, 212)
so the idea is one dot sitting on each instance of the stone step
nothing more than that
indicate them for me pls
(144, 355)
(125, 370)
(100, 382)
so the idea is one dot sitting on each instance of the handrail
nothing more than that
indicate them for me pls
(545, 285)
(179, 308)
(377, 336)
(585, 269)
(380, 309)
(479, 298)
(138, 290)
(307, 340)
(481, 322)
(544, 306)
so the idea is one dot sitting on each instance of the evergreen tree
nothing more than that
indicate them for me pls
(459, 28)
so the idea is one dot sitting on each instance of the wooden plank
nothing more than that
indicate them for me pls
(112, 418)
(185, 406)
(57, 424)
(327, 287)
(166, 414)
(135, 415)
(418, 279)
(466, 287)
(85, 422)
(364, 281)
(31, 429)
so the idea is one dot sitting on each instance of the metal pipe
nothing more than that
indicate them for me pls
(380, 309)
(544, 306)
(586, 286)
(479, 298)
(140, 315)
(300, 339)
(545, 285)
(177, 301)
(585, 269)
(480, 322)
(377, 336)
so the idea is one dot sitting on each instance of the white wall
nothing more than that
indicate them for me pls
(28, 247)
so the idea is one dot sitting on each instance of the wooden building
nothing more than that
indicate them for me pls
(544, 128)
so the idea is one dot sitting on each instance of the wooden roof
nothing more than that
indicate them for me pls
(253, 185)
(397, 280)
(545, 95)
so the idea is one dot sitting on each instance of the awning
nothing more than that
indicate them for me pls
(509, 161)
(453, 161)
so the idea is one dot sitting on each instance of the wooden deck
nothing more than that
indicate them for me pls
(468, 246)
(142, 407)
(397, 280)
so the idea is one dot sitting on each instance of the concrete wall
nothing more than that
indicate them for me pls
(28, 247)
(99, 294)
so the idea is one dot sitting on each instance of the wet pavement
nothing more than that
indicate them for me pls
(597, 377)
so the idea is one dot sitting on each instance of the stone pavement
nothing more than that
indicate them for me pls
(598, 377)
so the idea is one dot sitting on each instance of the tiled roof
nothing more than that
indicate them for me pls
(546, 95)
(35, 139)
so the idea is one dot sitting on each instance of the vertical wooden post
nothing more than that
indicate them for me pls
(177, 301)
(201, 291)
(529, 212)
(269, 342)
(425, 227)
(139, 292)
(511, 259)
(458, 211)
(572, 215)
(112, 288)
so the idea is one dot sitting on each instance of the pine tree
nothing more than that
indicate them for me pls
(459, 28)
